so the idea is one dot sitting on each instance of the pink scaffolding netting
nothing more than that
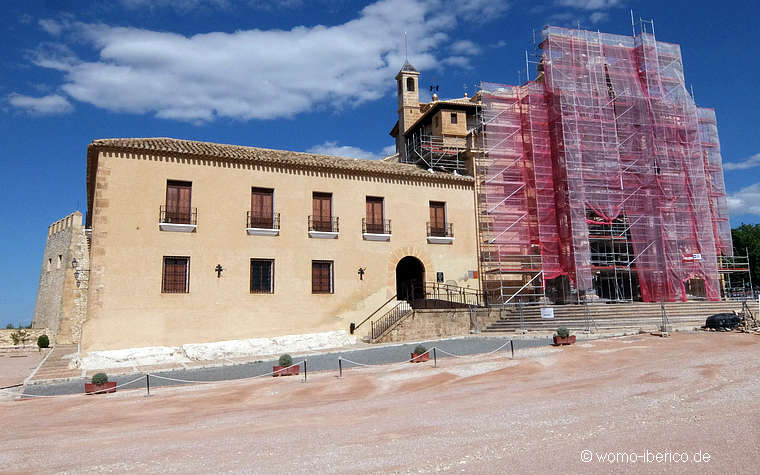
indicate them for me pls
(610, 130)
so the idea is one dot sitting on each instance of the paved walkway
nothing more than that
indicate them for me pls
(56, 366)
(322, 361)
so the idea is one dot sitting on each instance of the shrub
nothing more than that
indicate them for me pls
(420, 350)
(19, 337)
(286, 360)
(43, 341)
(100, 379)
(9, 326)
(563, 332)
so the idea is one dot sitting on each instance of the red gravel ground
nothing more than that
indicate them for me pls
(640, 398)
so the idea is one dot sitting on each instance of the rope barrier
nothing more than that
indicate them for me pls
(217, 381)
(23, 395)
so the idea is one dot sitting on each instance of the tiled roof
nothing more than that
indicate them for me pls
(269, 156)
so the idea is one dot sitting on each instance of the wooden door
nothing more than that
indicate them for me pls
(262, 208)
(178, 202)
(322, 211)
(437, 218)
(374, 219)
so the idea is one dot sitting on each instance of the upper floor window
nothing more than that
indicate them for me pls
(453, 117)
(176, 275)
(437, 218)
(375, 212)
(322, 212)
(410, 84)
(178, 202)
(262, 208)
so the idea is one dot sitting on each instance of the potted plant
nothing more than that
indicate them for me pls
(420, 354)
(563, 337)
(100, 385)
(285, 367)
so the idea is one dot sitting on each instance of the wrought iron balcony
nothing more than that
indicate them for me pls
(178, 220)
(447, 230)
(376, 228)
(323, 227)
(255, 220)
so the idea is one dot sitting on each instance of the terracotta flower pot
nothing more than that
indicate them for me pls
(420, 358)
(91, 388)
(285, 371)
(567, 340)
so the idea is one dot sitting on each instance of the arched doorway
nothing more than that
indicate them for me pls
(410, 279)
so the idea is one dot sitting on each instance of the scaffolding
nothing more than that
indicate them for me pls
(437, 153)
(603, 174)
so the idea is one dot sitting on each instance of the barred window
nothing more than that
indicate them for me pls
(176, 276)
(262, 276)
(321, 277)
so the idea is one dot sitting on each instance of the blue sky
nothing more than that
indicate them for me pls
(298, 75)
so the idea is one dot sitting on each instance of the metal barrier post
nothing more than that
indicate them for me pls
(147, 384)
(512, 347)
(340, 367)
(304, 370)
(435, 359)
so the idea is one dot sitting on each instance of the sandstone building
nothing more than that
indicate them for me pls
(600, 180)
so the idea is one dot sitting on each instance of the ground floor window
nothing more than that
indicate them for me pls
(176, 276)
(262, 276)
(321, 277)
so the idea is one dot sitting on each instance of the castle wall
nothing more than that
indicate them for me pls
(61, 305)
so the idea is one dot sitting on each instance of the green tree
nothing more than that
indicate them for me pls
(747, 241)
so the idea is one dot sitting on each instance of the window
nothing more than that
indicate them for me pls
(437, 218)
(176, 278)
(374, 219)
(410, 84)
(178, 194)
(262, 276)
(60, 259)
(453, 117)
(321, 277)
(322, 212)
(262, 208)
(50, 264)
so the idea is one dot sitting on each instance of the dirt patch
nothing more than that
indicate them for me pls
(478, 414)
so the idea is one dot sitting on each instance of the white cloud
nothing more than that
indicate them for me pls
(254, 74)
(51, 27)
(52, 104)
(331, 147)
(590, 4)
(498, 44)
(464, 47)
(598, 17)
(745, 201)
(751, 162)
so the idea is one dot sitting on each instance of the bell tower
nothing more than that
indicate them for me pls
(407, 81)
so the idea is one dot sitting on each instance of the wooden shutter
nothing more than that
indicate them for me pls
(321, 281)
(175, 275)
(178, 202)
(374, 215)
(262, 207)
(322, 211)
(261, 275)
(437, 218)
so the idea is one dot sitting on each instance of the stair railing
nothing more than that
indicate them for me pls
(353, 327)
(387, 322)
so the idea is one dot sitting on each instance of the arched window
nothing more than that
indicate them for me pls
(410, 84)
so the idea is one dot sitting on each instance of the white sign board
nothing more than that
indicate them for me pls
(547, 312)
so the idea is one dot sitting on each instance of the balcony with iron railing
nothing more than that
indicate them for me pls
(262, 225)
(177, 220)
(323, 228)
(437, 234)
(376, 231)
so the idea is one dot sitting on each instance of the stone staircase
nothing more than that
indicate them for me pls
(56, 367)
(646, 316)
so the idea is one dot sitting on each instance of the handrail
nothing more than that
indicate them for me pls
(352, 328)
(523, 287)
(390, 320)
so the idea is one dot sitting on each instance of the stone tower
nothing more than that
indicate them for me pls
(407, 80)
(62, 294)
